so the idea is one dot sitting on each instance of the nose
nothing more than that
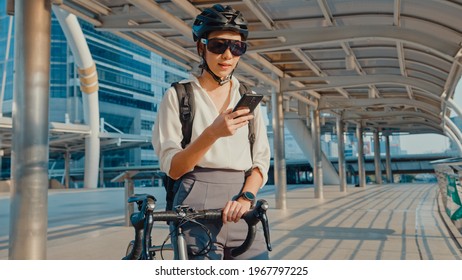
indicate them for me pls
(227, 54)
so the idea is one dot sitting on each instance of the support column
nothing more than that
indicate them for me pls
(317, 161)
(101, 172)
(129, 191)
(67, 169)
(341, 155)
(89, 87)
(378, 169)
(30, 147)
(361, 167)
(388, 159)
(280, 179)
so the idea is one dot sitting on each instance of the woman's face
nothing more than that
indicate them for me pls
(222, 64)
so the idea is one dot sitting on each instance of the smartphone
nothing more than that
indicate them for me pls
(248, 101)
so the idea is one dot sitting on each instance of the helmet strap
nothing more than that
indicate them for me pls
(217, 79)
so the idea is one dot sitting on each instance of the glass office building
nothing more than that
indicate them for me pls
(132, 81)
(6, 54)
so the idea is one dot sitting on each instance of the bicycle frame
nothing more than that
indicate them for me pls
(180, 249)
(142, 249)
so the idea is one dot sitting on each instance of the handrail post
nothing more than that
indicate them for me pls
(129, 191)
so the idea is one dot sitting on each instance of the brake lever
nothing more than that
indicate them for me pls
(262, 206)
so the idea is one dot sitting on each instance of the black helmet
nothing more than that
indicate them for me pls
(219, 18)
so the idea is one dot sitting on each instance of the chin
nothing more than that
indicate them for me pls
(223, 73)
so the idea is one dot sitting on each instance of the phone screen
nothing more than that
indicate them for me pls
(248, 101)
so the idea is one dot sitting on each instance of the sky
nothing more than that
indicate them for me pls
(425, 143)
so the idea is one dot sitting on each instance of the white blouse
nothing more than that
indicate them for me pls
(232, 152)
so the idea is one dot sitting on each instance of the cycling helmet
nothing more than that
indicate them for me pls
(219, 18)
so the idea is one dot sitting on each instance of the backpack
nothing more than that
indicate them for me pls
(185, 95)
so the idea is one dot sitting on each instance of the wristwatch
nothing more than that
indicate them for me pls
(248, 196)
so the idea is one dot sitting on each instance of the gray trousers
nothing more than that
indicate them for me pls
(206, 188)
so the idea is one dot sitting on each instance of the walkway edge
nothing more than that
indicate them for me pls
(455, 233)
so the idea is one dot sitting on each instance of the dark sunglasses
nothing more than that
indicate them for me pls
(219, 46)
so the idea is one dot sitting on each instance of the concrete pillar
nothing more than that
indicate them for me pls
(67, 169)
(341, 155)
(388, 159)
(361, 167)
(378, 168)
(280, 178)
(317, 161)
(101, 172)
(29, 195)
(129, 191)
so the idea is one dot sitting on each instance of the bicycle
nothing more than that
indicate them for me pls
(141, 248)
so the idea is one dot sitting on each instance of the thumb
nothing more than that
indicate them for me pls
(227, 111)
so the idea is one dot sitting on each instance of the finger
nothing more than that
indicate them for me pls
(225, 213)
(232, 211)
(245, 118)
(233, 128)
(233, 214)
(240, 112)
(241, 124)
(238, 214)
(239, 211)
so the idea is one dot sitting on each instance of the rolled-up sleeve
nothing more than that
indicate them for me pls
(261, 148)
(166, 133)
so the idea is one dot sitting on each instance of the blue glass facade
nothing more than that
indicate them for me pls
(131, 79)
(58, 68)
(6, 59)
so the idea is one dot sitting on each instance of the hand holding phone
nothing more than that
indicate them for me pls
(249, 101)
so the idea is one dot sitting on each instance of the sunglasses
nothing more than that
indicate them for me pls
(219, 46)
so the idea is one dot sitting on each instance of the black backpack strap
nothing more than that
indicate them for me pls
(185, 96)
(186, 102)
(245, 88)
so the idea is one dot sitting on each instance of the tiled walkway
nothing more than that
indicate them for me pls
(397, 222)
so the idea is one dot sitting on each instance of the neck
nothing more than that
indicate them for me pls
(209, 83)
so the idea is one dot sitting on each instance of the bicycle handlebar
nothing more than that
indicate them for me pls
(252, 217)
(146, 205)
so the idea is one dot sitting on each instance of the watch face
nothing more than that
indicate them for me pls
(249, 196)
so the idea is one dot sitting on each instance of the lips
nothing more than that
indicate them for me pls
(225, 66)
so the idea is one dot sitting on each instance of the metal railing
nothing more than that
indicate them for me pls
(449, 172)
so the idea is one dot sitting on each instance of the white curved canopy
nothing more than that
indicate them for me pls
(391, 65)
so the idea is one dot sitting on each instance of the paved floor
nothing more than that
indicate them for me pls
(397, 222)
(387, 222)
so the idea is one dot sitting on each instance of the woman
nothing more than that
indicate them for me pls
(212, 167)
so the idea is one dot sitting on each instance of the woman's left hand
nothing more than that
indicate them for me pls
(234, 210)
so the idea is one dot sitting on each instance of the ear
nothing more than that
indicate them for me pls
(200, 49)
